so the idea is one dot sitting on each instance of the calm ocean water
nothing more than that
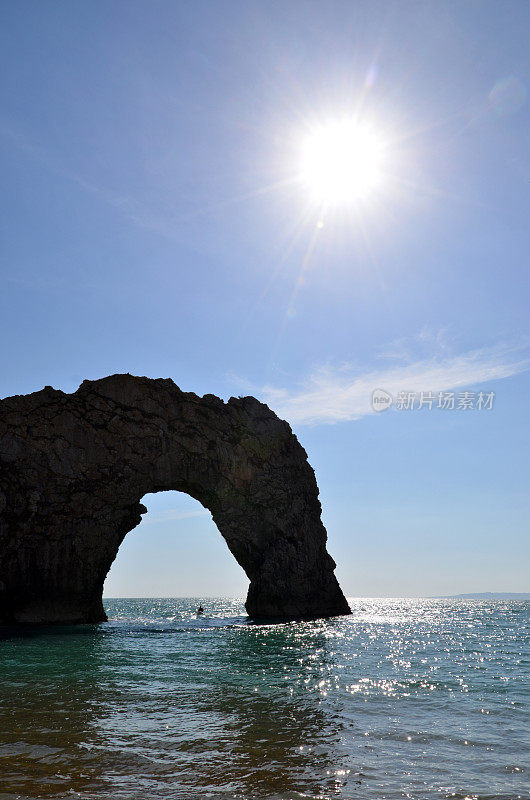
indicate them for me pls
(404, 699)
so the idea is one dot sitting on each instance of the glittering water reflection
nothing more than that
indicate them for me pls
(418, 699)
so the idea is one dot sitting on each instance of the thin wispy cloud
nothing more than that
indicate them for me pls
(172, 515)
(130, 208)
(163, 216)
(332, 394)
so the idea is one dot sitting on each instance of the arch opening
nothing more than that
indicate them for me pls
(175, 551)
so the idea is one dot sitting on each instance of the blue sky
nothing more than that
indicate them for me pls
(154, 222)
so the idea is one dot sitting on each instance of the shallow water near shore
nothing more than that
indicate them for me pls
(415, 699)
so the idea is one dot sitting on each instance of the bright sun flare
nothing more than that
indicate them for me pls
(341, 162)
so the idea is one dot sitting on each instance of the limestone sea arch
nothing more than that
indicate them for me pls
(74, 468)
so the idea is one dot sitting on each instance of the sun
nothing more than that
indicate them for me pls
(341, 162)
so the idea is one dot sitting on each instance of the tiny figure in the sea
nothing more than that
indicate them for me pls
(200, 610)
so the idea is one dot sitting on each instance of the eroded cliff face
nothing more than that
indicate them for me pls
(74, 467)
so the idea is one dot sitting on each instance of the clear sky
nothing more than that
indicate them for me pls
(158, 218)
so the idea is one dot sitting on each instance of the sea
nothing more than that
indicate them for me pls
(423, 699)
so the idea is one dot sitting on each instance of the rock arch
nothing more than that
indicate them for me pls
(73, 468)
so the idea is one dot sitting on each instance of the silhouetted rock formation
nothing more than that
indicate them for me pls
(74, 467)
